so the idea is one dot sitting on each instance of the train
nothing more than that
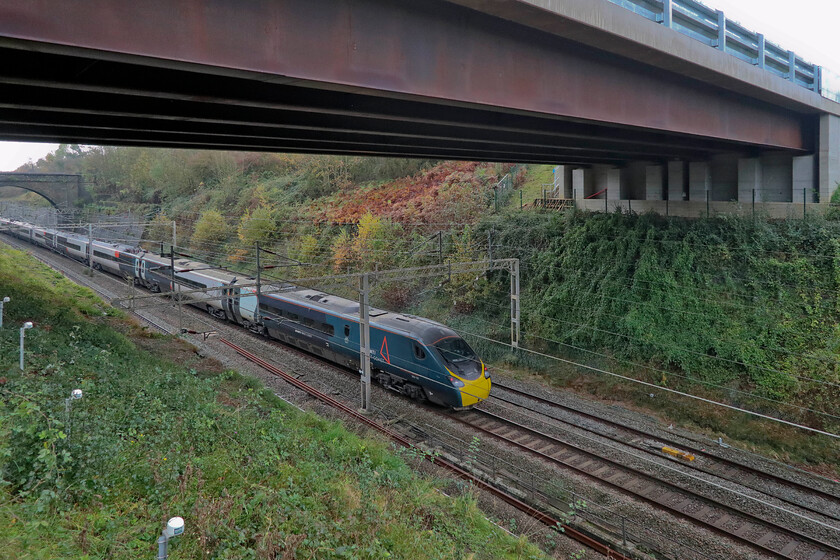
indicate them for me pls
(417, 357)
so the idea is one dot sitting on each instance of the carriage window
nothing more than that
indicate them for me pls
(327, 329)
(419, 353)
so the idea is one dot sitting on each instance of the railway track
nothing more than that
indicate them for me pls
(508, 498)
(778, 542)
(784, 489)
(461, 473)
(741, 526)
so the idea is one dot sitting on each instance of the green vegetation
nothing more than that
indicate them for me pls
(253, 477)
(537, 179)
(740, 310)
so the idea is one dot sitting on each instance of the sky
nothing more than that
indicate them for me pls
(811, 28)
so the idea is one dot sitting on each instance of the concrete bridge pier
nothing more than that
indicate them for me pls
(676, 180)
(563, 181)
(749, 179)
(654, 182)
(582, 183)
(699, 180)
(829, 156)
(805, 180)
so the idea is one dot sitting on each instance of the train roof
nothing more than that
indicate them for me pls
(427, 330)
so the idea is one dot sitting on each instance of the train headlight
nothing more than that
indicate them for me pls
(456, 382)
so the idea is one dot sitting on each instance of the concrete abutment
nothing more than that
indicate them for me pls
(769, 177)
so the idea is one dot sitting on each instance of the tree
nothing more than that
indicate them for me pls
(160, 229)
(211, 230)
(258, 225)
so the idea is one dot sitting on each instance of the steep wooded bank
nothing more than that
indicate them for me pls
(749, 307)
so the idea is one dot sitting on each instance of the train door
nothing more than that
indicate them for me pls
(247, 304)
(232, 304)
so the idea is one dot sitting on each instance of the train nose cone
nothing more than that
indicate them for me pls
(473, 392)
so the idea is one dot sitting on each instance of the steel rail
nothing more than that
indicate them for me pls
(513, 501)
(612, 474)
(833, 513)
(535, 513)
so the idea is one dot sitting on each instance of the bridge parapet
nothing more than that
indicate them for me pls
(60, 189)
(713, 28)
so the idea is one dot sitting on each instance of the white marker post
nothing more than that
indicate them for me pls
(174, 527)
(4, 300)
(75, 395)
(26, 325)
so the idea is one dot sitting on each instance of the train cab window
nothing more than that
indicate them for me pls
(346, 330)
(419, 353)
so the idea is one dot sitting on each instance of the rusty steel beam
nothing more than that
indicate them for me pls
(184, 96)
(429, 52)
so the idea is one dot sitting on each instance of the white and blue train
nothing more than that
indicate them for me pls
(417, 357)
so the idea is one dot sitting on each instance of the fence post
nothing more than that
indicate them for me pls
(606, 201)
(708, 214)
(667, 213)
(804, 203)
(629, 207)
(753, 205)
(496, 199)
(520, 199)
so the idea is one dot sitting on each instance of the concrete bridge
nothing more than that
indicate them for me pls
(61, 190)
(659, 101)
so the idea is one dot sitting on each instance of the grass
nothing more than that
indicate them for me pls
(162, 432)
(536, 179)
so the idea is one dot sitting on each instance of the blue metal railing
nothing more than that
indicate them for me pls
(711, 26)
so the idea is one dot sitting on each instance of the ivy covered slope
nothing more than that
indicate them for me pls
(150, 439)
(743, 304)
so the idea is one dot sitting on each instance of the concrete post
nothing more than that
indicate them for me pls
(829, 156)
(676, 179)
(699, 180)
(749, 179)
(804, 177)
(654, 175)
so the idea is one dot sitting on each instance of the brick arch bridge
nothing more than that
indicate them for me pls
(60, 189)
